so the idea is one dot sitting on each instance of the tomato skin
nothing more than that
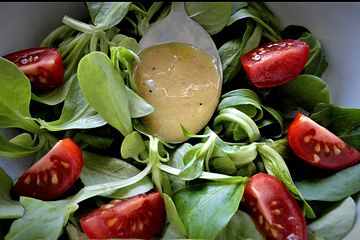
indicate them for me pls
(141, 216)
(273, 208)
(318, 146)
(53, 174)
(276, 63)
(43, 66)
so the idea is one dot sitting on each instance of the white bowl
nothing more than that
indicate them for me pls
(24, 25)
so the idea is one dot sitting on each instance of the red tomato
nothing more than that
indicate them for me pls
(273, 64)
(318, 146)
(273, 208)
(43, 66)
(141, 216)
(53, 174)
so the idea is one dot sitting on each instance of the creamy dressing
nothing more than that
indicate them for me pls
(182, 83)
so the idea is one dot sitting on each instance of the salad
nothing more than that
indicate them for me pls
(277, 159)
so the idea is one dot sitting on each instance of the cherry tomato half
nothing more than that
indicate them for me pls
(276, 63)
(318, 146)
(43, 66)
(273, 208)
(141, 216)
(53, 174)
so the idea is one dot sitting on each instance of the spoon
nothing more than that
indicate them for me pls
(179, 27)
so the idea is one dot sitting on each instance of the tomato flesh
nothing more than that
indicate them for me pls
(318, 146)
(273, 208)
(43, 66)
(141, 216)
(53, 174)
(276, 63)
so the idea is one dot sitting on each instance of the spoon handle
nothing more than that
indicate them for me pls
(178, 8)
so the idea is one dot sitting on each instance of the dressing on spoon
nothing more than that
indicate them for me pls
(179, 75)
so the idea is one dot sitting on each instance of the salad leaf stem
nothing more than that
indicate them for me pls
(78, 25)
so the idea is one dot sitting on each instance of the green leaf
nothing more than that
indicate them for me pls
(74, 233)
(265, 14)
(236, 125)
(205, 209)
(196, 157)
(42, 220)
(316, 64)
(254, 15)
(231, 51)
(144, 19)
(343, 122)
(331, 188)
(126, 42)
(176, 161)
(244, 100)
(306, 91)
(124, 59)
(15, 98)
(21, 146)
(8, 207)
(212, 16)
(109, 98)
(133, 146)
(57, 35)
(76, 113)
(95, 141)
(138, 107)
(336, 222)
(194, 163)
(173, 215)
(99, 169)
(105, 15)
(240, 227)
(275, 126)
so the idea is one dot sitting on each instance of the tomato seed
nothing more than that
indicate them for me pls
(341, 145)
(140, 227)
(149, 213)
(316, 158)
(108, 206)
(133, 227)
(274, 232)
(64, 164)
(276, 211)
(27, 180)
(43, 79)
(337, 151)
(274, 203)
(111, 221)
(317, 147)
(54, 179)
(261, 219)
(279, 226)
(38, 180)
(267, 228)
(45, 178)
(307, 138)
(326, 148)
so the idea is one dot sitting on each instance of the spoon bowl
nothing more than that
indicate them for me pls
(179, 27)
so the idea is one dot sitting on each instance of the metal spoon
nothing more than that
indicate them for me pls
(179, 27)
